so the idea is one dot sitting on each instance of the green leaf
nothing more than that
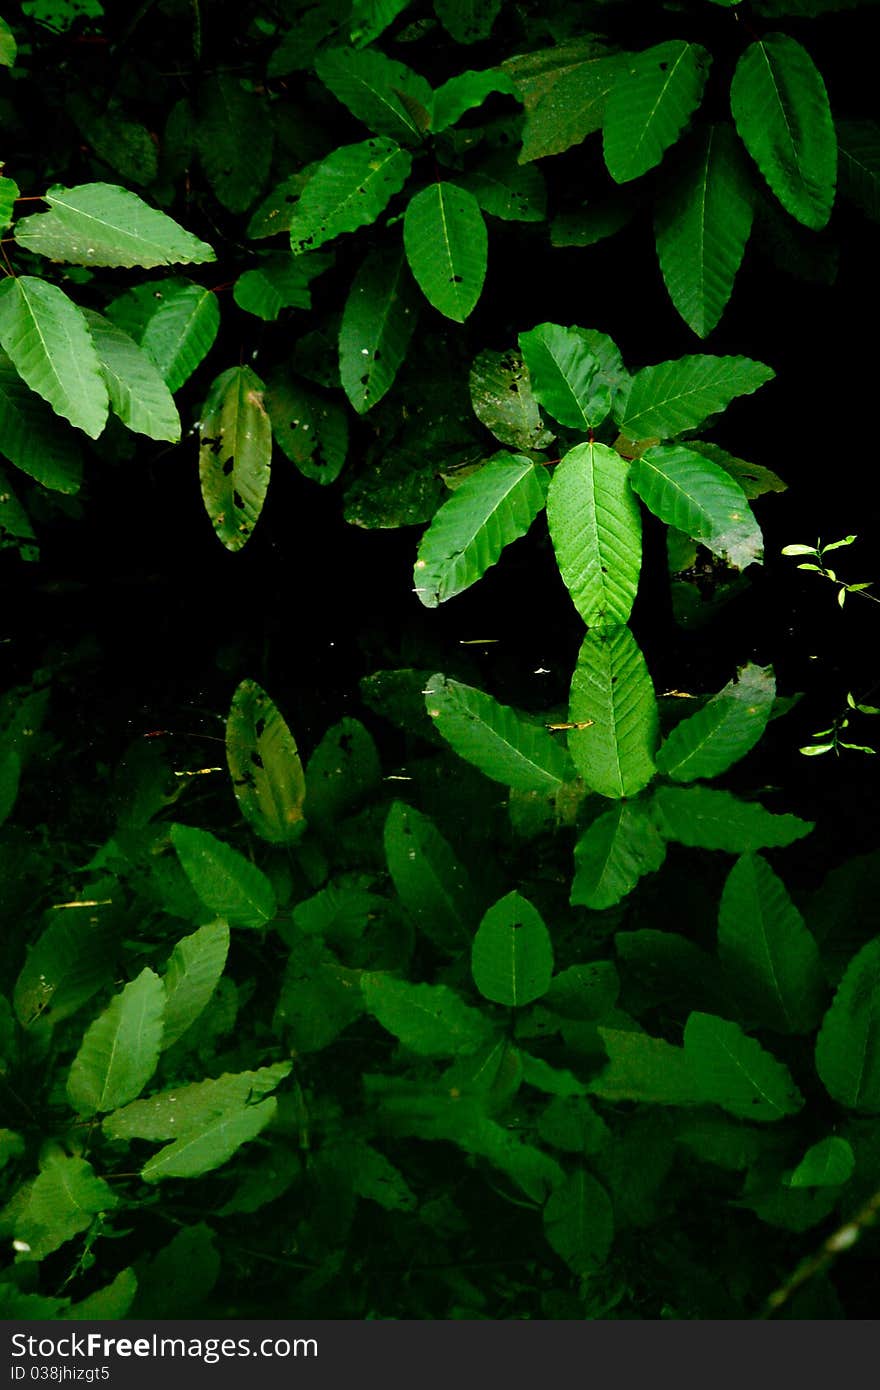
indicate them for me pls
(102, 224)
(235, 454)
(564, 91)
(347, 190)
(584, 993)
(503, 400)
(369, 18)
(771, 959)
(597, 219)
(191, 976)
(565, 376)
(125, 145)
(120, 1050)
(279, 282)
(464, 92)
(571, 1124)
(781, 109)
(430, 882)
(430, 1020)
(109, 1303)
(701, 500)
(185, 1110)
(735, 1072)
(753, 478)
(319, 997)
(650, 104)
(467, 21)
(446, 244)
(276, 211)
(829, 1163)
(619, 848)
(704, 818)
(514, 192)
(848, 1045)
(49, 344)
(310, 427)
(373, 88)
(375, 1178)
(32, 438)
(377, 325)
(675, 396)
(646, 1069)
(341, 774)
(554, 1081)
(8, 45)
(64, 1201)
(234, 140)
(138, 394)
(265, 767)
(596, 529)
(181, 330)
(579, 1223)
(204, 1150)
(859, 168)
(223, 879)
(612, 696)
(493, 507)
(502, 743)
(512, 954)
(9, 193)
(69, 963)
(723, 731)
(702, 224)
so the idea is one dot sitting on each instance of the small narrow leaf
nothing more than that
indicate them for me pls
(619, 848)
(195, 966)
(265, 767)
(848, 1045)
(565, 375)
(138, 394)
(735, 1072)
(512, 955)
(347, 190)
(48, 342)
(503, 744)
(650, 105)
(770, 957)
(235, 454)
(120, 1050)
(223, 879)
(430, 1020)
(702, 224)
(612, 696)
(430, 882)
(446, 244)
(98, 224)
(701, 500)
(705, 818)
(377, 324)
(493, 507)
(781, 110)
(596, 529)
(675, 396)
(723, 731)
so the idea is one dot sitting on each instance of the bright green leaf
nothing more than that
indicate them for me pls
(446, 244)
(829, 1163)
(565, 376)
(48, 341)
(781, 109)
(701, 500)
(464, 92)
(512, 954)
(265, 767)
(120, 1050)
(191, 976)
(493, 507)
(613, 698)
(503, 744)
(102, 224)
(64, 1200)
(650, 105)
(596, 528)
(138, 394)
(723, 731)
(347, 190)
(675, 396)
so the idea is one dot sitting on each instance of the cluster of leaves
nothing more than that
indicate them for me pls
(431, 162)
(439, 1040)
